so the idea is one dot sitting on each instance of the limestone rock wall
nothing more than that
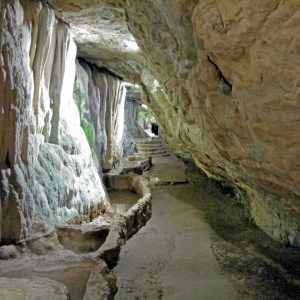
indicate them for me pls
(100, 98)
(220, 76)
(101, 34)
(132, 127)
(229, 96)
(48, 167)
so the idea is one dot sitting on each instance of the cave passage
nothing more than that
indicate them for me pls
(149, 150)
(199, 245)
(171, 257)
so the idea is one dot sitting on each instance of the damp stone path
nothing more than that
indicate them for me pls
(171, 257)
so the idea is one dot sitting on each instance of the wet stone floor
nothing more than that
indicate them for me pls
(199, 245)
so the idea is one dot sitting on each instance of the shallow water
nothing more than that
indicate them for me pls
(121, 201)
(73, 275)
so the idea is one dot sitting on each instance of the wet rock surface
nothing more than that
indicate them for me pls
(228, 72)
(136, 164)
(61, 124)
(32, 288)
(221, 78)
(171, 258)
(132, 127)
(258, 266)
(64, 267)
(198, 244)
(82, 238)
(100, 99)
(48, 174)
(222, 81)
(129, 222)
(99, 27)
(74, 261)
(9, 252)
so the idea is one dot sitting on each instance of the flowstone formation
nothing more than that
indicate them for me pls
(222, 79)
(57, 133)
(100, 98)
(101, 34)
(61, 128)
(133, 127)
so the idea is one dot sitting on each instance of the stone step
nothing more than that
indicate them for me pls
(150, 147)
(149, 140)
(149, 143)
(153, 152)
(159, 155)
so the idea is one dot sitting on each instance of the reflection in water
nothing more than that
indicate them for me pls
(121, 201)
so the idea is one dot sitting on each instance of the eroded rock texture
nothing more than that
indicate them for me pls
(132, 121)
(49, 136)
(102, 36)
(25, 288)
(100, 98)
(221, 77)
(230, 70)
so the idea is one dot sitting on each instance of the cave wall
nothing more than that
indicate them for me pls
(132, 123)
(229, 96)
(50, 163)
(100, 98)
(130, 127)
(220, 76)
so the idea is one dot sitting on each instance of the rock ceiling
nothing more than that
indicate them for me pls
(102, 36)
(229, 72)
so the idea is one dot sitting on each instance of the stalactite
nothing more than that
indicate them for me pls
(48, 172)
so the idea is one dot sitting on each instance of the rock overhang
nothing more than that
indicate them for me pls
(102, 35)
(228, 72)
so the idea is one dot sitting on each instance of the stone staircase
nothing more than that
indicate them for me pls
(152, 147)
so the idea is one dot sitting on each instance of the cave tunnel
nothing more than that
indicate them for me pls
(149, 149)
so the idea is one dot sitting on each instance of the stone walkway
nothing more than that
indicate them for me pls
(171, 257)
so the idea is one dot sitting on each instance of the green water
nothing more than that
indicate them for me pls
(121, 201)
